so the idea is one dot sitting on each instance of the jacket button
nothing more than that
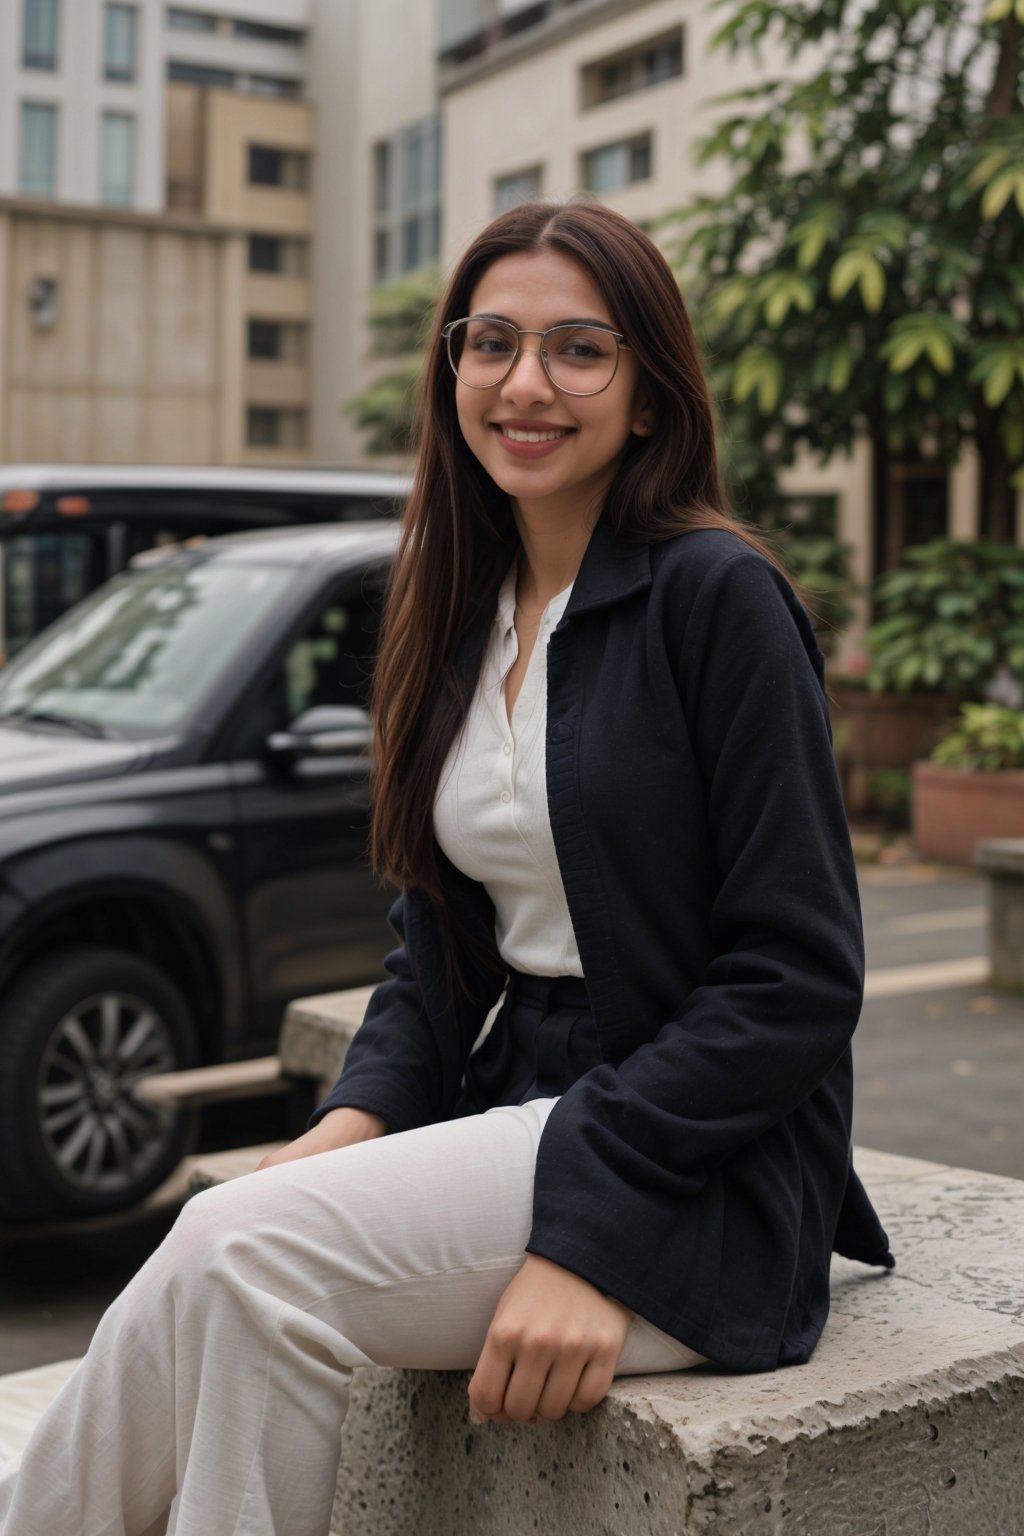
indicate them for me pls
(562, 732)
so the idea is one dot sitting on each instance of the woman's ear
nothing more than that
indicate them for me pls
(643, 419)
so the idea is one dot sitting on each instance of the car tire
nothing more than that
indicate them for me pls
(77, 1033)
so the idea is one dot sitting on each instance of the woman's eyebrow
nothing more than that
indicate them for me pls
(604, 325)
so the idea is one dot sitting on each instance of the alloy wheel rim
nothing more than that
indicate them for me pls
(96, 1134)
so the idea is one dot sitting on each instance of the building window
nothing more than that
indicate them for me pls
(39, 34)
(270, 85)
(635, 69)
(406, 176)
(117, 158)
(181, 20)
(199, 74)
(272, 253)
(264, 339)
(38, 169)
(119, 42)
(617, 165)
(269, 428)
(270, 167)
(266, 32)
(277, 340)
(382, 177)
(265, 253)
(519, 187)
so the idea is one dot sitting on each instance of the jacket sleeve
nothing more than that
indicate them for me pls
(407, 1058)
(781, 994)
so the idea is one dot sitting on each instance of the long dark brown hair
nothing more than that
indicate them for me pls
(458, 535)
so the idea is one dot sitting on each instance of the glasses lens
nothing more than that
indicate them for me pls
(481, 351)
(580, 359)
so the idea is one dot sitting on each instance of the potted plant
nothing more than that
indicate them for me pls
(949, 621)
(972, 787)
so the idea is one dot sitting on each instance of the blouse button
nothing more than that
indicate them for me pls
(505, 796)
(507, 750)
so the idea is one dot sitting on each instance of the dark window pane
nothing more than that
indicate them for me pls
(265, 253)
(411, 251)
(263, 428)
(266, 166)
(381, 177)
(181, 20)
(266, 32)
(381, 255)
(39, 34)
(264, 338)
(198, 74)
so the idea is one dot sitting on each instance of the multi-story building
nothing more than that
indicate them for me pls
(155, 230)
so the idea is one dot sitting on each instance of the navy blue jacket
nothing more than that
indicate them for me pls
(701, 1174)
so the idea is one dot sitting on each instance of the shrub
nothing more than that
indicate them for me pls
(950, 618)
(988, 738)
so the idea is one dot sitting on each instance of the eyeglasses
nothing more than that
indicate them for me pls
(578, 359)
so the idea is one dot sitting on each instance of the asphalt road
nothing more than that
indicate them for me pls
(940, 1071)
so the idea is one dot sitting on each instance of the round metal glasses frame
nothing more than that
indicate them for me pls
(621, 345)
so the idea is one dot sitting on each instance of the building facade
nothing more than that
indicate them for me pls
(180, 138)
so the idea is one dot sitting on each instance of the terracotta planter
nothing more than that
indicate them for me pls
(953, 809)
(882, 730)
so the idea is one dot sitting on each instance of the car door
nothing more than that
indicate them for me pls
(314, 916)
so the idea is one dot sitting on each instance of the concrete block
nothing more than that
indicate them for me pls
(908, 1421)
(1002, 860)
(316, 1034)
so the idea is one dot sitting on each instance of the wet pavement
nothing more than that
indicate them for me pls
(940, 1075)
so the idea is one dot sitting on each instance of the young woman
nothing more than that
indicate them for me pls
(605, 787)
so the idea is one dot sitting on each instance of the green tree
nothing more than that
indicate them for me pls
(863, 268)
(400, 316)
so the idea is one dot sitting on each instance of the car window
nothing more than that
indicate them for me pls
(331, 662)
(138, 654)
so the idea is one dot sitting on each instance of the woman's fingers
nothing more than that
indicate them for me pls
(551, 1348)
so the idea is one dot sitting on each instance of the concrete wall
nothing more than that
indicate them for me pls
(140, 364)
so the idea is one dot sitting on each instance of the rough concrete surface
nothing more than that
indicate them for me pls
(317, 1032)
(908, 1421)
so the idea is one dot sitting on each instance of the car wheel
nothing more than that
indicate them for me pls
(77, 1034)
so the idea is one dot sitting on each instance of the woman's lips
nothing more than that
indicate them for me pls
(525, 442)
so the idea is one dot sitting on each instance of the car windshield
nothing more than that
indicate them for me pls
(137, 654)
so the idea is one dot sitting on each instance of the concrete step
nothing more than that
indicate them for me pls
(199, 1086)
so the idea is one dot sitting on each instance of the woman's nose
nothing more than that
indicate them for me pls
(527, 378)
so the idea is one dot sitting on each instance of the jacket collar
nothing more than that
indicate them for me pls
(611, 570)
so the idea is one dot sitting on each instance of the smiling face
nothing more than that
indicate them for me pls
(553, 453)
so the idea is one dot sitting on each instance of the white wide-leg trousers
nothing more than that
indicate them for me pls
(216, 1385)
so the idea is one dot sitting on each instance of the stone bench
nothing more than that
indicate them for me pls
(1002, 860)
(908, 1421)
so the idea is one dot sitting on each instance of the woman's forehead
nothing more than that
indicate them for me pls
(535, 289)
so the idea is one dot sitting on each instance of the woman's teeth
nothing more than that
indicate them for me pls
(534, 437)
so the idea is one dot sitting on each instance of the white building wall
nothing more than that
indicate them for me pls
(81, 95)
(372, 72)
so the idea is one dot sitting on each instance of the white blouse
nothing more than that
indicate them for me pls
(491, 813)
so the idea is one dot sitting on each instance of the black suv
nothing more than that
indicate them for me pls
(183, 820)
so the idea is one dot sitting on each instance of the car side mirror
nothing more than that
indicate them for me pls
(329, 730)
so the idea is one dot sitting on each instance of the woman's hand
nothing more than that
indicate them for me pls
(551, 1349)
(339, 1128)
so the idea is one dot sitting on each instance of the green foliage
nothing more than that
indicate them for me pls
(400, 316)
(387, 410)
(862, 269)
(950, 617)
(987, 738)
(802, 532)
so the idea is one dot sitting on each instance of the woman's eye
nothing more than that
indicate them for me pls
(492, 344)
